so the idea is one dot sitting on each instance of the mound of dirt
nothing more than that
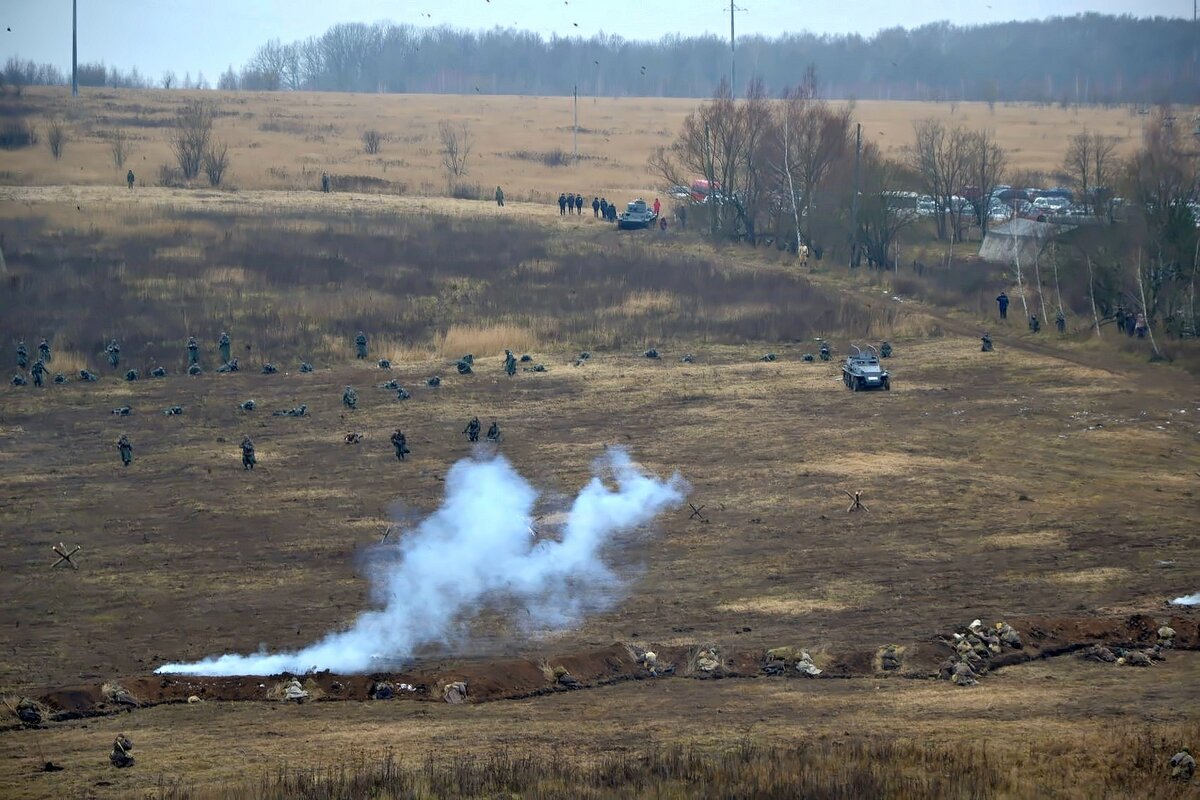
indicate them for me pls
(1041, 637)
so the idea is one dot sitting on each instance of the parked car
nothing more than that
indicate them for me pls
(1051, 204)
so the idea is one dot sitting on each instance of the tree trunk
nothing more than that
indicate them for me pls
(1092, 295)
(1057, 288)
(1020, 286)
(787, 167)
(1037, 271)
(1145, 309)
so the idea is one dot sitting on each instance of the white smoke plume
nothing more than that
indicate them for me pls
(1187, 600)
(476, 551)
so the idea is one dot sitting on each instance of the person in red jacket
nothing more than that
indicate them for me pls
(657, 206)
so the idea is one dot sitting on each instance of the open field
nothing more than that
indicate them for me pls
(286, 140)
(1051, 483)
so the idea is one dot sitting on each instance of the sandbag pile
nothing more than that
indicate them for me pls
(779, 660)
(708, 660)
(455, 693)
(294, 692)
(649, 661)
(974, 648)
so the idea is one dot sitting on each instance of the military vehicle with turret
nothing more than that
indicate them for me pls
(862, 370)
(637, 216)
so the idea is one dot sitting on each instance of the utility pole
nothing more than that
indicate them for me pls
(733, 91)
(74, 48)
(854, 202)
(575, 128)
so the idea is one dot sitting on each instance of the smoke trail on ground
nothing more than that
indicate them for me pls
(476, 551)
(1187, 600)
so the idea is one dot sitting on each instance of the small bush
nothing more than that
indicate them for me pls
(371, 140)
(462, 190)
(215, 162)
(118, 142)
(551, 158)
(171, 176)
(56, 137)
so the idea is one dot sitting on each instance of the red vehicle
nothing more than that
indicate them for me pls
(701, 189)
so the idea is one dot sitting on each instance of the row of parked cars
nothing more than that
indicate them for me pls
(1004, 203)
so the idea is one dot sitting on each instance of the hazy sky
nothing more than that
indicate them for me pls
(208, 35)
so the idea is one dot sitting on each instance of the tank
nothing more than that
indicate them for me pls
(637, 215)
(862, 370)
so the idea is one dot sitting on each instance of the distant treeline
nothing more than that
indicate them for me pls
(1091, 58)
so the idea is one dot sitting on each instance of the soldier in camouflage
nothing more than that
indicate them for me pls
(400, 442)
(126, 448)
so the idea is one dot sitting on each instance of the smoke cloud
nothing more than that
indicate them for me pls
(1187, 600)
(476, 551)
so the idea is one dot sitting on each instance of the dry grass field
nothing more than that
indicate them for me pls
(285, 141)
(1051, 483)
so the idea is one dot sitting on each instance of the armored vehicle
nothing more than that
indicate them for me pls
(862, 370)
(637, 215)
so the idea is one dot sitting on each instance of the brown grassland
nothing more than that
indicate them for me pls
(285, 141)
(1053, 479)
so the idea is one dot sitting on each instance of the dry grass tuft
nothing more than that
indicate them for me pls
(485, 340)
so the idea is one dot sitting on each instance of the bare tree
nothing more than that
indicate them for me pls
(56, 137)
(880, 218)
(270, 64)
(189, 137)
(120, 147)
(941, 158)
(1090, 163)
(711, 143)
(215, 162)
(15, 75)
(987, 162)
(456, 148)
(168, 79)
(1092, 293)
(371, 140)
(1162, 181)
(816, 136)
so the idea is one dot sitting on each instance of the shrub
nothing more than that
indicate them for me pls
(171, 177)
(371, 141)
(216, 161)
(465, 191)
(189, 140)
(15, 133)
(56, 137)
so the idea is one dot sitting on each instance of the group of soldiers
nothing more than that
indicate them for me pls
(38, 370)
(570, 203)
(473, 428)
(349, 397)
(1035, 325)
(1130, 323)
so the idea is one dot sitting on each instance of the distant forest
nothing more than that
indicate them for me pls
(1090, 58)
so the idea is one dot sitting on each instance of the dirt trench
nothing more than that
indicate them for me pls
(511, 679)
